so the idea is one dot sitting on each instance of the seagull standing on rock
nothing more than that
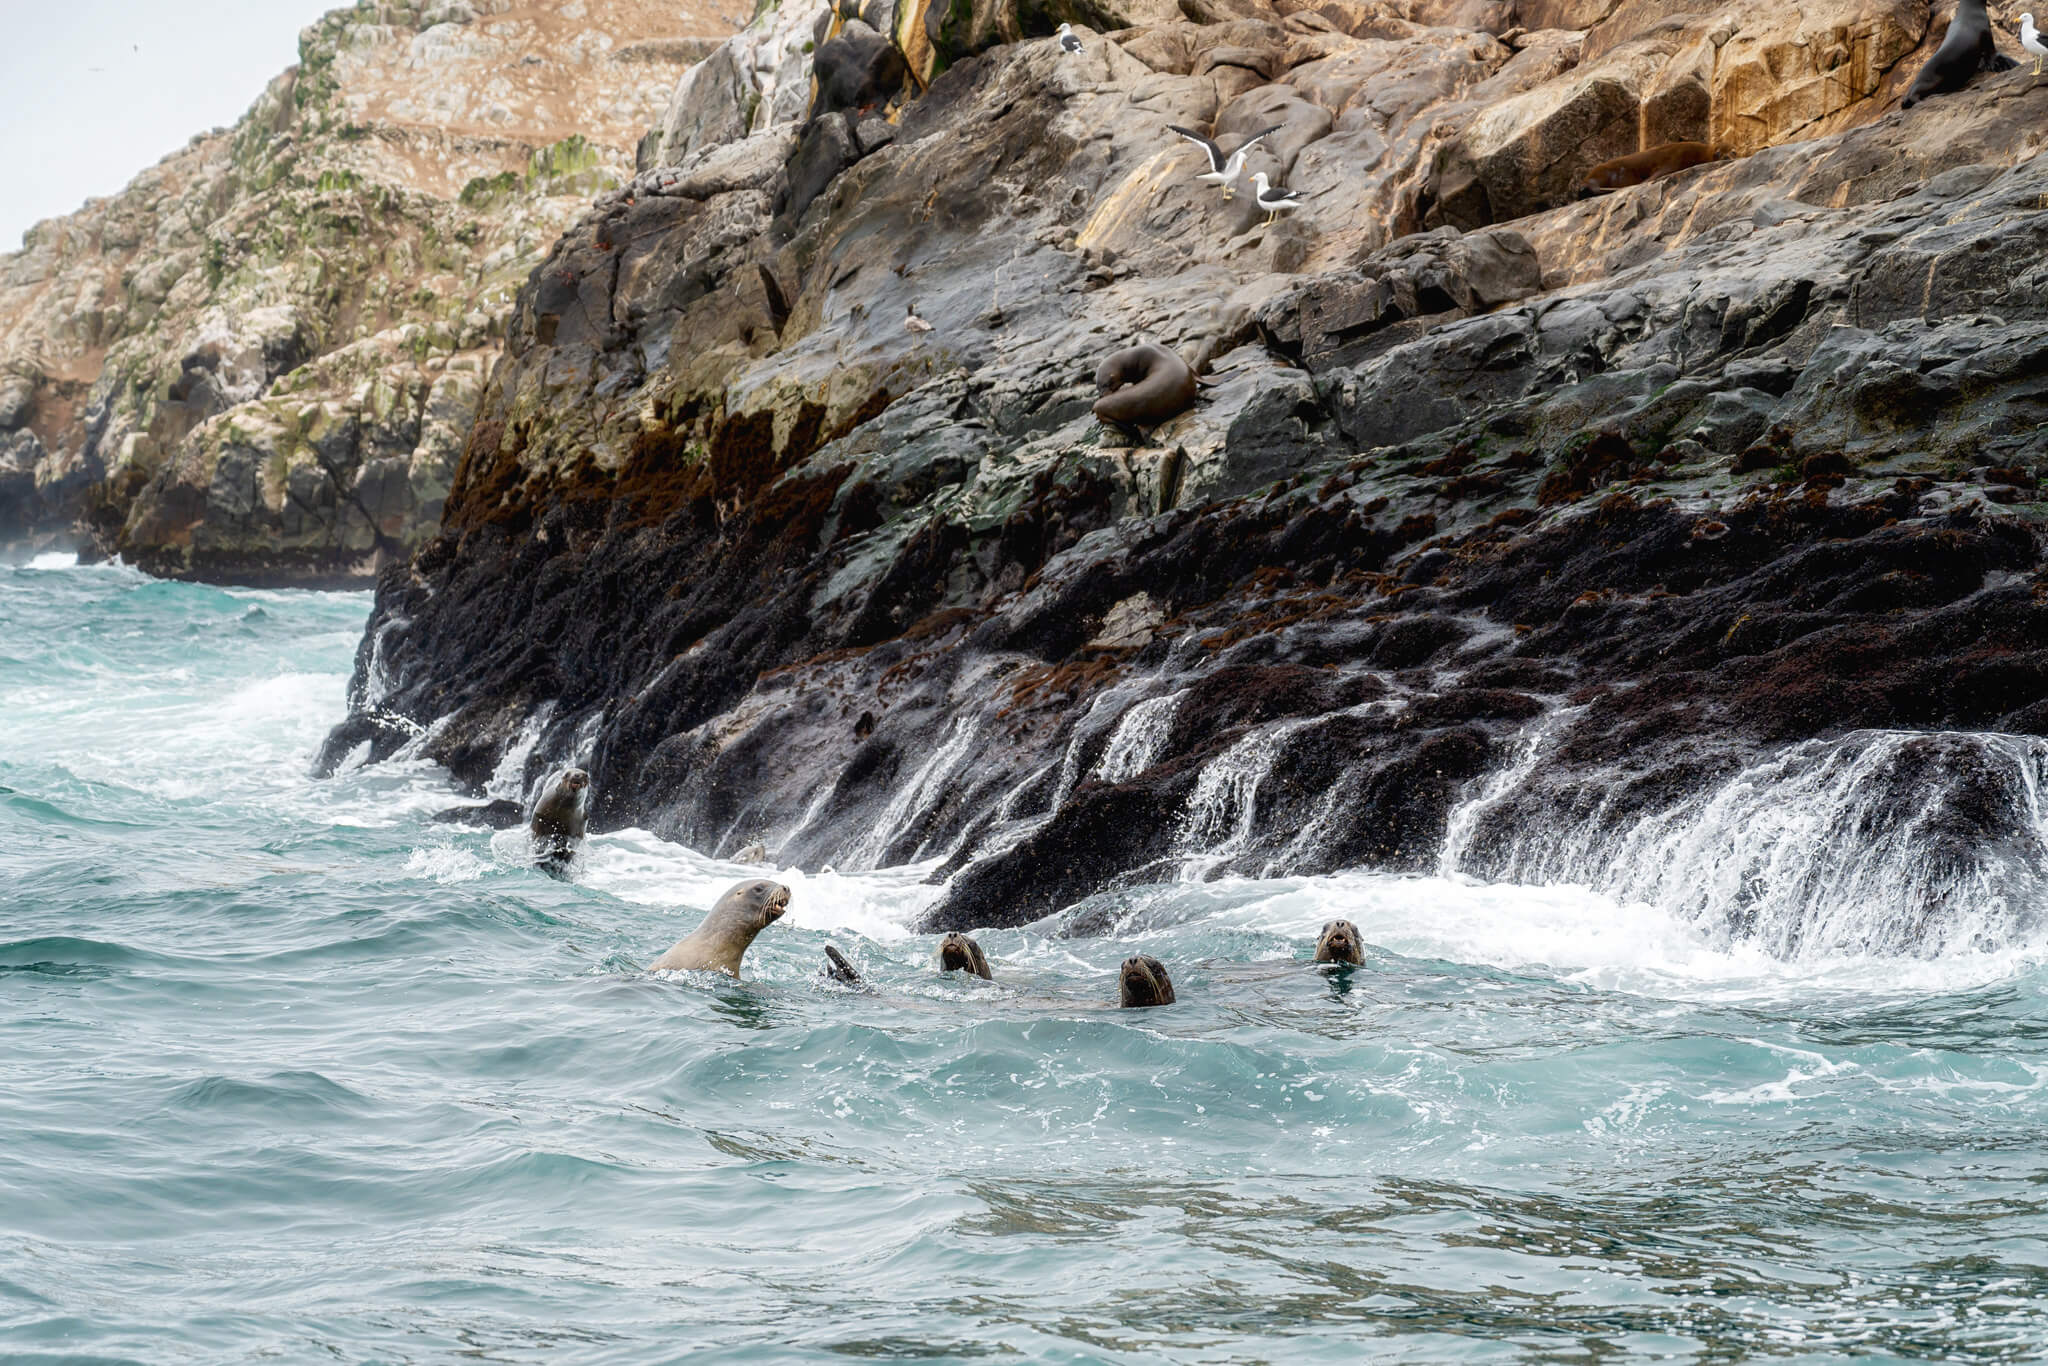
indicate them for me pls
(1223, 170)
(911, 322)
(1275, 199)
(2030, 39)
(1069, 44)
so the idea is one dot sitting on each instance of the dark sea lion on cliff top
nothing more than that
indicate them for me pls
(1966, 49)
(1143, 385)
(721, 941)
(958, 952)
(560, 818)
(1142, 981)
(1340, 943)
(1638, 167)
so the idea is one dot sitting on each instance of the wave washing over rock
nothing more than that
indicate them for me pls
(1637, 515)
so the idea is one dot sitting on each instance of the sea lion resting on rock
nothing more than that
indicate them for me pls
(1638, 167)
(1143, 982)
(1339, 943)
(560, 817)
(1143, 385)
(721, 941)
(958, 951)
(1965, 50)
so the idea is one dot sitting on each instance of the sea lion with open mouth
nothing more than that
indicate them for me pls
(1143, 982)
(1340, 943)
(959, 952)
(721, 941)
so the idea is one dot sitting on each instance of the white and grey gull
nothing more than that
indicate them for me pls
(1223, 170)
(1069, 44)
(1275, 199)
(2030, 39)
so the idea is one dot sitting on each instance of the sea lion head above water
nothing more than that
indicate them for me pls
(959, 952)
(1340, 943)
(721, 941)
(1143, 982)
(1143, 385)
(561, 816)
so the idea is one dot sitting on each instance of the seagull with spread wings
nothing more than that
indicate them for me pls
(1223, 170)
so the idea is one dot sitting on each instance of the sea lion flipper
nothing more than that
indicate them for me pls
(838, 969)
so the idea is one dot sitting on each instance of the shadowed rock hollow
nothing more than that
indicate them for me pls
(1582, 507)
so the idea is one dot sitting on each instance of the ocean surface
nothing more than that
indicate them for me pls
(290, 1072)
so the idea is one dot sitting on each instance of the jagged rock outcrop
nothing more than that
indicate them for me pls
(1615, 496)
(260, 361)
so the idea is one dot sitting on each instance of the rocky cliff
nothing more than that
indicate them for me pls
(259, 362)
(1560, 515)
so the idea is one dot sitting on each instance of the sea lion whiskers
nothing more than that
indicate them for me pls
(958, 952)
(1340, 942)
(1142, 981)
(722, 940)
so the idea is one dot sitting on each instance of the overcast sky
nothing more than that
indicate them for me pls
(92, 91)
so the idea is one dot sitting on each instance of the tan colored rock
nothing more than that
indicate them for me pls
(351, 249)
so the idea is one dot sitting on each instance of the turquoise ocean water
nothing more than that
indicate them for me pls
(290, 1073)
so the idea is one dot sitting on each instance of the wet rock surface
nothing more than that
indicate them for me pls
(1557, 522)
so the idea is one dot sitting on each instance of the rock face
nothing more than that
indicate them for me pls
(1553, 515)
(260, 361)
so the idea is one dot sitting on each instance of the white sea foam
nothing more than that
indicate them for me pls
(636, 866)
(1583, 936)
(446, 863)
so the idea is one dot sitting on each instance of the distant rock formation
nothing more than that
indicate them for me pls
(259, 362)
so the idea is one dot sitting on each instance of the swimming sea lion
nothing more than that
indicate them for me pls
(1143, 982)
(1339, 943)
(560, 816)
(1143, 385)
(1965, 50)
(957, 951)
(1638, 167)
(754, 852)
(721, 941)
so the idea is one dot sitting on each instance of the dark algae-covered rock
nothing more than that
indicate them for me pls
(1478, 530)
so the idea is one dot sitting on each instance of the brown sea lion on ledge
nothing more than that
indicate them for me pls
(1143, 385)
(1646, 165)
(722, 940)
(1966, 49)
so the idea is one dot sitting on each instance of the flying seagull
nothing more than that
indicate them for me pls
(1069, 44)
(2030, 39)
(1275, 200)
(1223, 171)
